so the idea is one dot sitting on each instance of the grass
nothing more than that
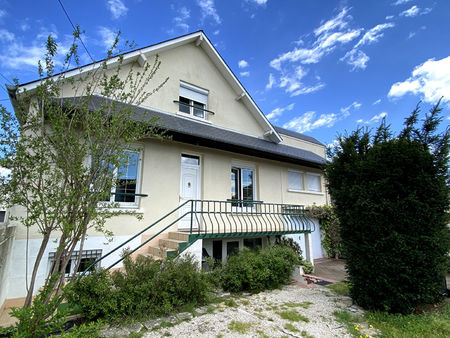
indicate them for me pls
(291, 327)
(304, 305)
(239, 327)
(292, 316)
(341, 288)
(135, 335)
(262, 334)
(436, 324)
(230, 303)
(305, 334)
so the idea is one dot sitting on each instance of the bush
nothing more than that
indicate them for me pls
(308, 268)
(391, 195)
(146, 287)
(255, 271)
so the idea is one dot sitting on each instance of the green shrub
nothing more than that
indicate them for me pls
(146, 287)
(308, 268)
(289, 242)
(255, 271)
(391, 195)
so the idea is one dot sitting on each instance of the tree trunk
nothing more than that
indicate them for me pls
(42, 248)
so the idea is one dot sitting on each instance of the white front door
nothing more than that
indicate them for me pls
(190, 189)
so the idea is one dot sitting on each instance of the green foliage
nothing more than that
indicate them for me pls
(41, 318)
(391, 195)
(289, 242)
(255, 271)
(146, 287)
(341, 288)
(239, 327)
(91, 330)
(308, 268)
(293, 316)
(329, 228)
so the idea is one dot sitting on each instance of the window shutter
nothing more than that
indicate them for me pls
(193, 93)
(295, 181)
(313, 182)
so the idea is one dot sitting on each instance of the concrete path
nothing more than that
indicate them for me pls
(330, 269)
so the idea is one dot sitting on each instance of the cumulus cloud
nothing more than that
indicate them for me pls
(208, 9)
(259, 2)
(411, 12)
(356, 58)
(245, 74)
(180, 24)
(271, 82)
(277, 112)
(107, 36)
(376, 102)
(430, 80)
(242, 64)
(401, 2)
(309, 120)
(374, 34)
(374, 119)
(4, 172)
(6, 36)
(117, 8)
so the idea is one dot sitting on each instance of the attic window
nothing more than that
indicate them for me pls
(193, 100)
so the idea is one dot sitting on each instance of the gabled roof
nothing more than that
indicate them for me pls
(297, 135)
(201, 40)
(196, 132)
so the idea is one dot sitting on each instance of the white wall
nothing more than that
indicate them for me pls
(316, 241)
(17, 276)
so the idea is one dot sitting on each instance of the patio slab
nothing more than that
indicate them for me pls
(330, 268)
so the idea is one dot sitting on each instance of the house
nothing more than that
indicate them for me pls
(227, 179)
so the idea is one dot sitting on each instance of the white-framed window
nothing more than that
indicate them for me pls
(193, 100)
(243, 185)
(295, 180)
(127, 180)
(313, 182)
(299, 181)
(87, 258)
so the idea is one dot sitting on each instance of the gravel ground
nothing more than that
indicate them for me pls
(310, 312)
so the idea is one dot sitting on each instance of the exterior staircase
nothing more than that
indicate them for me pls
(166, 247)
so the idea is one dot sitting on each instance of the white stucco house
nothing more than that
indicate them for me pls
(228, 178)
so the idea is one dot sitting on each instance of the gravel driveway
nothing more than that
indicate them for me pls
(293, 311)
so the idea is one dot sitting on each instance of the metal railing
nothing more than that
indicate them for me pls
(211, 218)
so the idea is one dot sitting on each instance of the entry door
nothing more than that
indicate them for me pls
(190, 188)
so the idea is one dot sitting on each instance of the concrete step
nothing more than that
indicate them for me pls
(179, 236)
(170, 243)
(149, 255)
(159, 252)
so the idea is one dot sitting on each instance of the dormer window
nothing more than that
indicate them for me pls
(193, 100)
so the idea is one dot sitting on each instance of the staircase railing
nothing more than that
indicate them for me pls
(211, 218)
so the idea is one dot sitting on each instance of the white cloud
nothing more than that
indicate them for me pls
(216, 32)
(180, 21)
(259, 2)
(374, 34)
(401, 2)
(337, 22)
(308, 89)
(242, 64)
(6, 35)
(389, 17)
(209, 10)
(271, 82)
(412, 12)
(2, 13)
(243, 74)
(279, 111)
(376, 102)
(374, 119)
(307, 121)
(346, 110)
(356, 58)
(5, 172)
(117, 8)
(107, 37)
(430, 80)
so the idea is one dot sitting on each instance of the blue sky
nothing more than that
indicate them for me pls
(318, 67)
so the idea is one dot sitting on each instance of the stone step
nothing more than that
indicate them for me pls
(179, 236)
(170, 243)
(149, 255)
(159, 252)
